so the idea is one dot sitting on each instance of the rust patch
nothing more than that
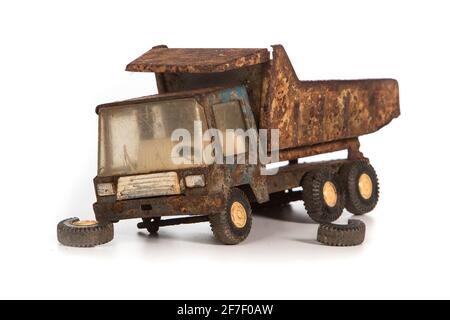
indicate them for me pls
(352, 145)
(164, 60)
(329, 110)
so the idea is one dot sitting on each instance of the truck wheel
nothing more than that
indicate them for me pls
(233, 225)
(153, 224)
(323, 196)
(76, 233)
(360, 183)
(335, 235)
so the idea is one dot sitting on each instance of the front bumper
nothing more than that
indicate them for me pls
(159, 206)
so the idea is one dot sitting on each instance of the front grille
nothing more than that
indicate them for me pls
(148, 185)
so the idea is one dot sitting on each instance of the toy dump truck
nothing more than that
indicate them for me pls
(237, 89)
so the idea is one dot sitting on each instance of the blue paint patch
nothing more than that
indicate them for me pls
(226, 95)
(236, 93)
(242, 92)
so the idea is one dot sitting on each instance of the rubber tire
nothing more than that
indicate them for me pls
(349, 175)
(334, 235)
(315, 205)
(153, 230)
(84, 236)
(222, 226)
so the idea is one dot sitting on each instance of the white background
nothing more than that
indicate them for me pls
(59, 59)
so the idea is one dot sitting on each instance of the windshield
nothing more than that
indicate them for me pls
(137, 138)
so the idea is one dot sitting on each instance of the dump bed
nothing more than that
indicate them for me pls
(314, 112)
(307, 113)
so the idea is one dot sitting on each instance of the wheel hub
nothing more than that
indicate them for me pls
(238, 215)
(85, 223)
(330, 194)
(365, 186)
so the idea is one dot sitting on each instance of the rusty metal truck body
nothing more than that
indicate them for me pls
(313, 117)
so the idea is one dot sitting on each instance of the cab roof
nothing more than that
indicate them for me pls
(161, 59)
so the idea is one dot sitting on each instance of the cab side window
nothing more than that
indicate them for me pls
(229, 116)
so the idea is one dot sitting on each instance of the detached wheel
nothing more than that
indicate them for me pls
(334, 235)
(74, 232)
(360, 182)
(234, 224)
(323, 196)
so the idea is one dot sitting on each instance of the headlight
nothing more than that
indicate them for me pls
(105, 189)
(195, 181)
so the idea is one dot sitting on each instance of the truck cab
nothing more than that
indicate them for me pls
(137, 177)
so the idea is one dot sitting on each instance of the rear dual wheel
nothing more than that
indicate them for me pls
(326, 193)
(360, 183)
(323, 195)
